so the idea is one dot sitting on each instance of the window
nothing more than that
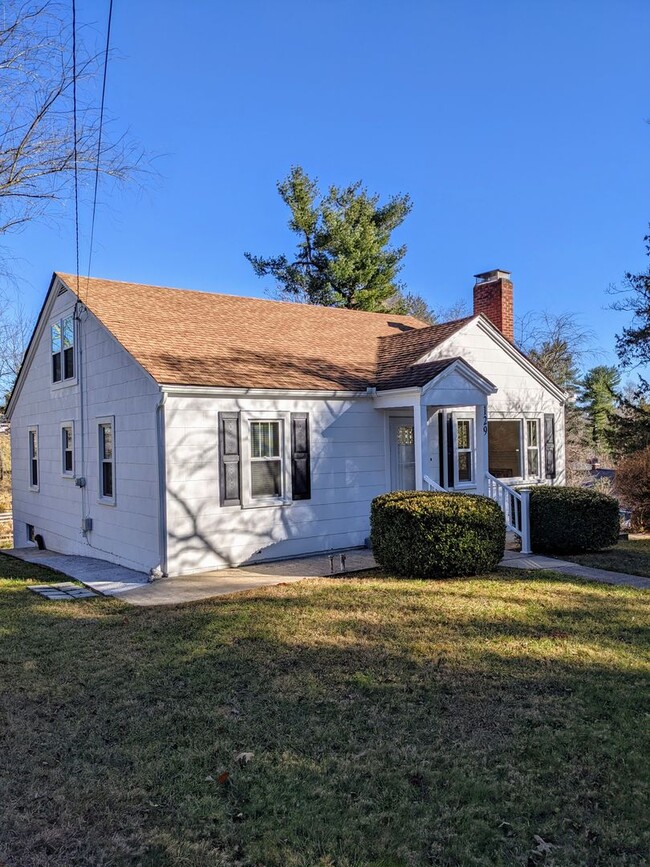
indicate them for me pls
(106, 461)
(62, 337)
(504, 449)
(464, 450)
(31, 536)
(266, 459)
(33, 458)
(67, 449)
(532, 447)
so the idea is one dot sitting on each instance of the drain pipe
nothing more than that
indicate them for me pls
(162, 487)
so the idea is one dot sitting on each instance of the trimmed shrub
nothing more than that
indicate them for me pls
(424, 534)
(572, 520)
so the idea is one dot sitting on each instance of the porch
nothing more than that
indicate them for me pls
(442, 438)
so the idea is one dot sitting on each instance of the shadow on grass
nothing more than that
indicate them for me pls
(391, 722)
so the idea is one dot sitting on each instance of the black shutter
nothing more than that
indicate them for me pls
(229, 459)
(549, 445)
(300, 462)
(451, 477)
(441, 448)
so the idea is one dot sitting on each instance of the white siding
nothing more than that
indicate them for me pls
(115, 385)
(348, 469)
(520, 394)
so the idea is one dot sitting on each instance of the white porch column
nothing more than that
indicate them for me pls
(421, 435)
(481, 427)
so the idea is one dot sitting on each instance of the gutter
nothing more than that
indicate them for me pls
(288, 393)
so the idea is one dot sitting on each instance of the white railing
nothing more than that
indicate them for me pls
(430, 485)
(515, 505)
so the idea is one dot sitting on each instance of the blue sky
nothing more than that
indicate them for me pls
(518, 128)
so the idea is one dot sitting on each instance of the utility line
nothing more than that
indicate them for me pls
(74, 132)
(99, 141)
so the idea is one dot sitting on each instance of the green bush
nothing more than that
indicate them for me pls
(423, 534)
(572, 520)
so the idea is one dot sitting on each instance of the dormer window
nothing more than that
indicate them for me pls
(63, 349)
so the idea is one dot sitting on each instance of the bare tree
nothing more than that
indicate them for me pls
(37, 141)
(560, 346)
(15, 329)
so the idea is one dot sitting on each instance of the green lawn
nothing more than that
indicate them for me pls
(631, 556)
(493, 721)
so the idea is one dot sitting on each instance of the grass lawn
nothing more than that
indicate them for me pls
(493, 721)
(631, 556)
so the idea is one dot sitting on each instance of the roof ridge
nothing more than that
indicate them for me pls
(204, 293)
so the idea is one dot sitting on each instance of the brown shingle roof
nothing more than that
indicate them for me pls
(183, 337)
(396, 367)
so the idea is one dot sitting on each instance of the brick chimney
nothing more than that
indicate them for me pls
(493, 298)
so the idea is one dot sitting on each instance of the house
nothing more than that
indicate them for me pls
(179, 431)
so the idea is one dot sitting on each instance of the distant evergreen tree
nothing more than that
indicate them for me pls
(633, 343)
(630, 430)
(343, 257)
(598, 399)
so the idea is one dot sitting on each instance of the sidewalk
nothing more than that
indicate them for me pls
(515, 560)
(134, 587)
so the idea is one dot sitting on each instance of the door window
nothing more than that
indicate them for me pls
(403, 447)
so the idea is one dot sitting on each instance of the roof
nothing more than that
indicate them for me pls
(397, 355)
(183, 337)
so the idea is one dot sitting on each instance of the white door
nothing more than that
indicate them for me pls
(402, 454)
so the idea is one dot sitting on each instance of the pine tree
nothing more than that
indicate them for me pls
(598, 399)
(343, 256)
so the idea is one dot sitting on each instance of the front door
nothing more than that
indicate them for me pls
(402, 454)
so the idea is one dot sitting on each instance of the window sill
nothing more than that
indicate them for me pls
(104, 501)
(267, 504)
(33, 489)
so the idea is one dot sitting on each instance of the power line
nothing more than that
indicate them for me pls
(74, 132)
(99, 140)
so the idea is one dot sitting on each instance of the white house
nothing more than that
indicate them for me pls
(184, 431)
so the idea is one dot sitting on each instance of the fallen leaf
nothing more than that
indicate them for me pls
(243, 758)
(542, 848)
(223, 778)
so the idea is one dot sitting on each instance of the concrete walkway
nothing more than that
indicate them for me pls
(135, 587)
(515, 560)
(99, 575)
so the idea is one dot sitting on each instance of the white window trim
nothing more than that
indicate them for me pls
(247, 500)
(33, 429)
(67, 474)
(537, 475)
(105, 501)
(58, 320)
(471, 450)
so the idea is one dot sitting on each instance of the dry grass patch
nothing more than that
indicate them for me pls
(629, 555)
(391, 723)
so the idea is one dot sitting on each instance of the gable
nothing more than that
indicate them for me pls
(60, 300)
(517, 379)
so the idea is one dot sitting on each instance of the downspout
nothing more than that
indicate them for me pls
(162, 486)
(80, 477)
